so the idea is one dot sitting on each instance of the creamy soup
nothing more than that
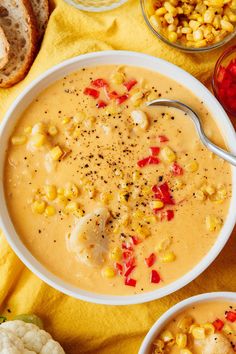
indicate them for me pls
(206, 328)
(110, 195)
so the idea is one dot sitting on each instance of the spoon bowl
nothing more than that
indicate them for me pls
(225, 155)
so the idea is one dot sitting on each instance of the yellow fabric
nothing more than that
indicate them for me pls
(79, 326)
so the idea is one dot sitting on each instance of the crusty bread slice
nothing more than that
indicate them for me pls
(19, 25)
(41, 11)
(4, 49)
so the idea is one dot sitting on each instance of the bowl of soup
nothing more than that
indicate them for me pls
(203, 324)
(109, 200)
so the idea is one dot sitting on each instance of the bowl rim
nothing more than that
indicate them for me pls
(183, 48)
(118, 58)
(94, 8)
(178, 308)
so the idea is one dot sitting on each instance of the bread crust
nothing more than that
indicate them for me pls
(4, 60)
(32, 46)
(41, 11)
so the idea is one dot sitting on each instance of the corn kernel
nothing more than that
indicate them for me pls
(56, 153)
(194, 25)
(197, 35)
(116, 229)
(125, 220)
(50, 192)
(157, 204)
(167, 257)
(192, 166)
(52, 130)
(163, 244)
(159, 344)
(89, 122)
(208, 16)
(60, 190)
(38, 140)
(185, 323)
(115, 254)
(213, 222)
(71, 190)
(118, 77)
(170, 8)
(227, 26)
(172, 36)
(136, 176)
(181, 340)
(143, 231)
(198, 332)
(38, 128)
(18, 140)
(76, 133)
(169, 18)
(186, 30)
(185, 351)
(168, 154)
(210, 190)
(71, 207)
(108, 272)
(62, 200)
(66, 120)
(209, 328)
(171, 28)
(161, 11)
(200, 195)
(227, 329)
(39, 206)
(105, 197)
(50, 210)
(28, 130)
(166, 336)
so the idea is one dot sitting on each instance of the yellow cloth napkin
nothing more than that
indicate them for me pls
(79, 326)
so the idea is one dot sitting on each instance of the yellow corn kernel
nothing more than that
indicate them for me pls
(89, 122)
(213, 222)
(170, 8)
(194, 25)
(136, 97)
(186, 30)
(161, 11)
(157, 204)
(28, 130)
(66, 120)
(159, 344)
(227, 329)
(172, 36)
(163, 245)
(178, 184)
(136, 176)
(18, 140)
(172, 28)
(197, 35)
(150, 219)
(208, 16)
(138, 214)
(71, 190)
(210, 190)
(50, 192)
(230, 14)
(227, 26)
(115, 254)
(209, 328)
(200, 195)
(108, 272)
(189, 37)
(60, 190)
(181, 340)
(50, 210)
(76, 133)
(71, 207)
(167, 257)
(105, 197)
(62, 200)
(38, 140)
(232, 5)
(143, 231)
(169, 18)
(56, 153)
(168, 154)
(185, 351)
(118, 77)
(185, 323)
(155, 22)
(116, 229)
(192, 166)
(150, 8)
(200, 44)
(52, 130)
(38, 128)
(125, 220)
(166, 336)
(198, 332)
(39, 206)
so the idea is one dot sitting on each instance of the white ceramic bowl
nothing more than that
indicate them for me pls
(176, 310)
(96, 5)
(103, 58)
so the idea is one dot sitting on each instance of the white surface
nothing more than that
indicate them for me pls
(103, 58)
(92, 6)
(176, 310)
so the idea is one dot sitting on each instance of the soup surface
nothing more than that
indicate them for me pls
(110, 195)
(205, 328)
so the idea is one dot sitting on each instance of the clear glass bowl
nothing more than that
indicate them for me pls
(96, 5)
(144, 6)
(224, 81)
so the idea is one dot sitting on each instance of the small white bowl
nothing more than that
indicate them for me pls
(118, 58)
(174, 311)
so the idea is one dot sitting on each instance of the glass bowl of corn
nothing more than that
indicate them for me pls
(96, 5)
(191, 25)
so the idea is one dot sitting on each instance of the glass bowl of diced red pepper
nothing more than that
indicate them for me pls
(224, 80)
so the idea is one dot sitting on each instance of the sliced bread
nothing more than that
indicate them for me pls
(4, 49)
(41, 11)
(19, 25)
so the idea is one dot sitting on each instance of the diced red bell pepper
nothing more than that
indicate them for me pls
(130, 282)
(130, 84)
(176, 169)
(130, 262)
(230, 316)
(129, 271)
(91, 92)
(154, 150)
(150, 160)
(135, 240)
(101, 104)
(155, 277)
(170, 214)
(150, 260)
(163, 139)
(143, 162)
(100, 83)
(119, 268)
(126, 255)
(162, 192)
(122, 99)
(111, 95)
(218, 324)
(127, 246)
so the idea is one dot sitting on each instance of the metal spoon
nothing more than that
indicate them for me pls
(227, 156)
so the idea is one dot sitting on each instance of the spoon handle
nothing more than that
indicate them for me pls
(220, 152)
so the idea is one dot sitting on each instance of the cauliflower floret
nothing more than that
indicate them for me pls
(52, 347)
(10, 343)
(217, 344)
